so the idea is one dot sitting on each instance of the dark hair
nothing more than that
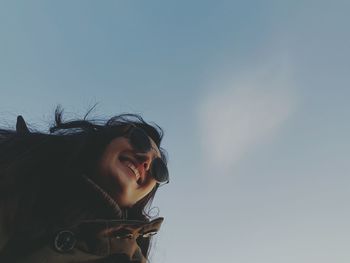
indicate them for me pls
(72, 148)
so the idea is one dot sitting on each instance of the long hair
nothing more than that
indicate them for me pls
(28, 158)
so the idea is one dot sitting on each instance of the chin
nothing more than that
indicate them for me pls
(123, 201)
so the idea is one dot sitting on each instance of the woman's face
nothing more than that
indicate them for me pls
(125, 173)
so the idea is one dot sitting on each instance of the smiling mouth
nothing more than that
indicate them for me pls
(130, 164)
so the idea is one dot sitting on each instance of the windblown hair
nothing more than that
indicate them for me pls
(71, 148)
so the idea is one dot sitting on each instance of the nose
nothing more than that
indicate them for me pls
(144, 164)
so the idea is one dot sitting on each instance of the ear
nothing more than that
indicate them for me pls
(21, 126)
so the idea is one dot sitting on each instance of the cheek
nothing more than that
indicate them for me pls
(113, 176)
(121, 174)
(110, 165)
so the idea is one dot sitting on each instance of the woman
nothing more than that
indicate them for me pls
(79, 193)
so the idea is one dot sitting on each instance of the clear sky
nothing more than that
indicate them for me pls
(253, 97)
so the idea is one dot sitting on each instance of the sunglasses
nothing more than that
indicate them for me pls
(141, 143)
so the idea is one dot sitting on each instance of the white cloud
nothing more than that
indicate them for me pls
(236, 114)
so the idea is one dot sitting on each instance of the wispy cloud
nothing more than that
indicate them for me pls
(239, 112)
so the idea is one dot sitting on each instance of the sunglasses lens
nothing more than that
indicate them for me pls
(159, 171)
(139, 140)
(141, 143)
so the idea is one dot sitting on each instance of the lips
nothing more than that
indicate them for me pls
(133, 169)
(131, 165)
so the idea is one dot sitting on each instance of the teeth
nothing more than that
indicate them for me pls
(134, 169)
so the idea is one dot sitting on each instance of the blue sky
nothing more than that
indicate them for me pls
(252, 95)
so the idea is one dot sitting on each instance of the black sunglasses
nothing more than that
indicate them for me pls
(141, 143)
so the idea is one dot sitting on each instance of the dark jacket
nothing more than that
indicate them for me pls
(66, 223)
